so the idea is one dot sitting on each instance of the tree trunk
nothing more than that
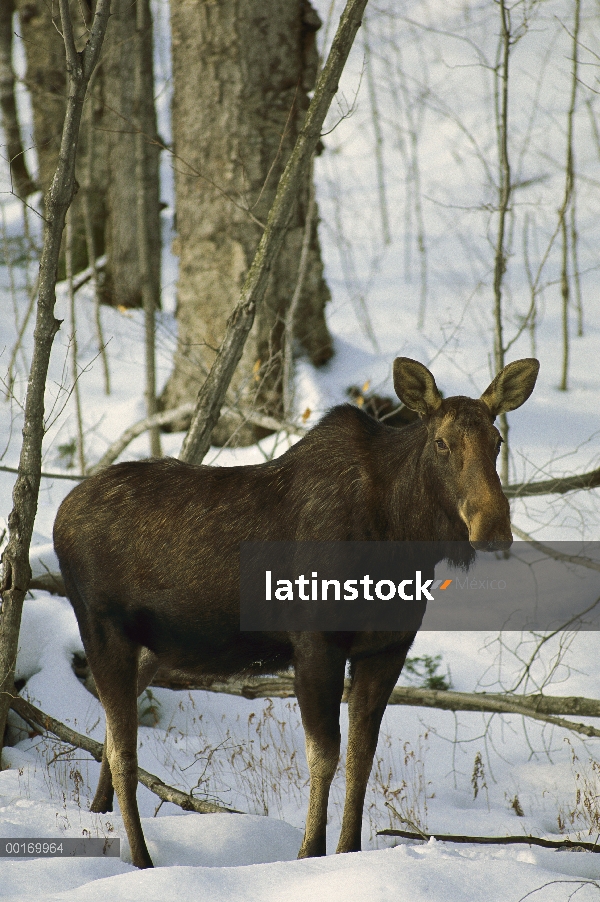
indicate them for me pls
(241, 73)
(108, 121)
(46, 81)
(124, 275)
(22, 183)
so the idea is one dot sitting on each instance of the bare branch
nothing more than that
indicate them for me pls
(557, 486)
(171, 416)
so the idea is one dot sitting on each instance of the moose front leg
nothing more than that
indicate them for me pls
(373, 679)
(319, 682)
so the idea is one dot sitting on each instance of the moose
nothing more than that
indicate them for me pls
(150, 553)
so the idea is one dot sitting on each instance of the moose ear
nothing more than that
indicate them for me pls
(512, 386)
(415, 386)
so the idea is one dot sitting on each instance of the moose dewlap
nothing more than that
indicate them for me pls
(149, 552)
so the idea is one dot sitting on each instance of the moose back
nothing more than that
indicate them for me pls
(149, 552)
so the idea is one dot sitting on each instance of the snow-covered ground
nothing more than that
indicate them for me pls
(464, 773)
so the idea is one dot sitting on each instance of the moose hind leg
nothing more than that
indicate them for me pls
(104, 796)
(319, 686)
(115, 670)
(373, 679)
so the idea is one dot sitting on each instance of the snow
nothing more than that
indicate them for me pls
(466, 773)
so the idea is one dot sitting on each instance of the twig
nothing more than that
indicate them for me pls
(49, 582)
(74, 477)
(21, 333)
(23, 184)
(496, 840)
(36, 718)
(90, 239)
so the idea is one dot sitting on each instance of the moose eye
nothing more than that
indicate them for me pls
(441, 444)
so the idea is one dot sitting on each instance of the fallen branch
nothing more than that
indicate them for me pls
(89, 273)
(538, 707)
(118, 446)
(558, 486)
(495, 840)
(38, 719)
(547, 487)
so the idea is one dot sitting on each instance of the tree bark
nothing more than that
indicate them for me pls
(241, 73)
(16, 570)
(46, 81)
(212, 394)
(109, 117)
(23, 184)
(123, 119)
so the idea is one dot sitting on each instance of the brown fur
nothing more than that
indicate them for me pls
(149, 552)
